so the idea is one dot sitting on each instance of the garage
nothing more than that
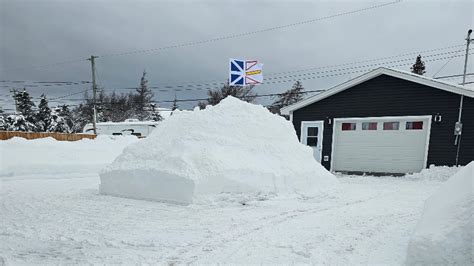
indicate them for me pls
(387, 121)
(381, 144)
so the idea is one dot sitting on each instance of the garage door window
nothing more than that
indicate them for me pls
(348, 126)
(369, 126)
(391, 125)
(416, 125)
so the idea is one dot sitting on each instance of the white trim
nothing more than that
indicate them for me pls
(427, 145)
(442, 85)
(421, 117)
(394, 117)
(332, 143)
(291, 116)
(320, 135)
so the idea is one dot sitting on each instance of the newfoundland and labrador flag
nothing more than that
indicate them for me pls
(245, 72)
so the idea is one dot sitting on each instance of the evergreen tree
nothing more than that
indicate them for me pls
(419, 66)
(289, 97)
(155, 113)
(143, 99)
(82, 114)
(57, 122)
(65, 113)
(3, 122)
(43, 116)
(24, 106)
(18, 123)
(174, 106)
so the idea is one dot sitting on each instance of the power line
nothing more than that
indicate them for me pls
(68, 95)
(276, 82)
(370, 60)
(275, 75)
(454, 76)
(205, 99)
(238, 35)
(365, 66)
(181, 87)
(289, 78)
(266, 95)
(219, 82)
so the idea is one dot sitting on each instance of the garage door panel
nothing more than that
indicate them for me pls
(390, 151)
(376, 151)
(383, 156)
(381, 166)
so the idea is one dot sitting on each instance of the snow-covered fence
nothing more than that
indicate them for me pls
(4, 135)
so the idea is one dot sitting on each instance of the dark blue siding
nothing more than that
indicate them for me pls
(389, 96)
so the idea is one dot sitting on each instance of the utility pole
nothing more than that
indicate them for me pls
(94, 93)
(458, 126)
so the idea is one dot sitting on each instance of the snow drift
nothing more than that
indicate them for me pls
(19, 156)
(443, 236)
(233, 147)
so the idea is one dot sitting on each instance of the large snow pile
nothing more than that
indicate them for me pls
(443, 236)
(19, 156)
(233, 147)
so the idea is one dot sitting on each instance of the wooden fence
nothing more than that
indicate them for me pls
(4, 135)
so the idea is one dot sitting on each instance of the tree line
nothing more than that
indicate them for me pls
(65, 118)
(116, 107)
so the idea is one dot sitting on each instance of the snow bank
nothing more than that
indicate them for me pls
(434, 173)
(19, 156)
(443, 236)
(233, 147)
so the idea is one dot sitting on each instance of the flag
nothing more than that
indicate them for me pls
(245, 72)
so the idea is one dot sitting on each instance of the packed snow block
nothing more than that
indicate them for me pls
(233, 147)
(147, 184)
(444, 235)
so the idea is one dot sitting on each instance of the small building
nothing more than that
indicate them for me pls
(387, 121)
(132, 127)
(128, 127)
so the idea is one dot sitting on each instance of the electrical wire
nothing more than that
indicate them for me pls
(238, 35)
(267, 95)
(270, 76)
(290, 78)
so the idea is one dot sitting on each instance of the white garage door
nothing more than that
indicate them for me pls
(381, 144)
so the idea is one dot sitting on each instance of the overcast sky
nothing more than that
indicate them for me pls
(38, 33)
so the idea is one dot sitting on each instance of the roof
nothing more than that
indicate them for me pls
(438, 84)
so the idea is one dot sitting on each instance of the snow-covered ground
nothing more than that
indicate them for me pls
(55, 214)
